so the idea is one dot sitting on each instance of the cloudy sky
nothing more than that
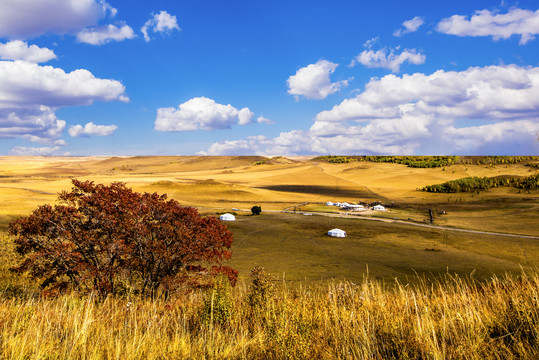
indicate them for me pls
(301, 77)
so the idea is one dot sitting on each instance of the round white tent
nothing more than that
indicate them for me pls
(227, 217)
(337, 233)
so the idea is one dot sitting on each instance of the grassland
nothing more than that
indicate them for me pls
(297, 248)
(451, 318)
(388, 290)
(296, 245)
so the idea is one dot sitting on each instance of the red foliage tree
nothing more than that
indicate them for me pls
(98, 236)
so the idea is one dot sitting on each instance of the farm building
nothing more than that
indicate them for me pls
(329, 203)
(227, 217)
(379, 208)
(337, 233)
(356, 207)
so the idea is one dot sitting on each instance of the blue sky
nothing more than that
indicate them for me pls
(93, 77)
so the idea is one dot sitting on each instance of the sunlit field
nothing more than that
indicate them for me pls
(393, 288)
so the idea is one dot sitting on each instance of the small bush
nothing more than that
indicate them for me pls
(261, 289)
(217, 302)
(256, 210)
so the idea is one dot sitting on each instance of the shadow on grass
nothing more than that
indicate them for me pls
(342, 191)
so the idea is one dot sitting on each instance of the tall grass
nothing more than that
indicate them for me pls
(450, 318)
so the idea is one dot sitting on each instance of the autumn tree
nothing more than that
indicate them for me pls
(97, 236)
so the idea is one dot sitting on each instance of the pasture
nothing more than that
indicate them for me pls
(294, 246)
(457, 295)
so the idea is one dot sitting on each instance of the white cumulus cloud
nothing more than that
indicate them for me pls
(24, 19)
(30, 94)
(105, 34)
(201, 113)
(264, 120)
(514, 132)
(499, 26)
(409, 26)
(33, 151)
(19, 50)
(313, 81)
(478, 110)
(486, 93)
(392, 60)
(91, 129)
(36, 123)
(23, 83)
(160, 23)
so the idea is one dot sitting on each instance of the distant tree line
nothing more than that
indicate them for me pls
(431, 161)
(471, 184)
(410, 161)
(499, 160)
(336, 159)
(416, 161)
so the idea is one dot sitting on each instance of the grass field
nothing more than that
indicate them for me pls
(450, 317)
(389, 290)
(296, 245)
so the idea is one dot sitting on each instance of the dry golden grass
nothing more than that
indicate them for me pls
(433, 316)
(451, 318)
(236, 182)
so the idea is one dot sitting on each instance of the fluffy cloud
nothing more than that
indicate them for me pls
(33, 151)
(30, 95)
(32, 18)
(391, 60)
(263, 120)
(491, 92)
(105, 34)
(494, 107)
(19, 50)
(500, 26)
(160, 23)
(23, 83)
(519, 133)
(409, 26)
(298, 142)
(201, 113)
(91, 129)
(34, 123)
(313, 81)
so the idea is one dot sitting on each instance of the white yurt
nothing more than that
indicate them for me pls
(337, 233)
(227, 217)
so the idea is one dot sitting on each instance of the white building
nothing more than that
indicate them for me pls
(337, 233)
(329, 203)
(227, 217)
(379, 208)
